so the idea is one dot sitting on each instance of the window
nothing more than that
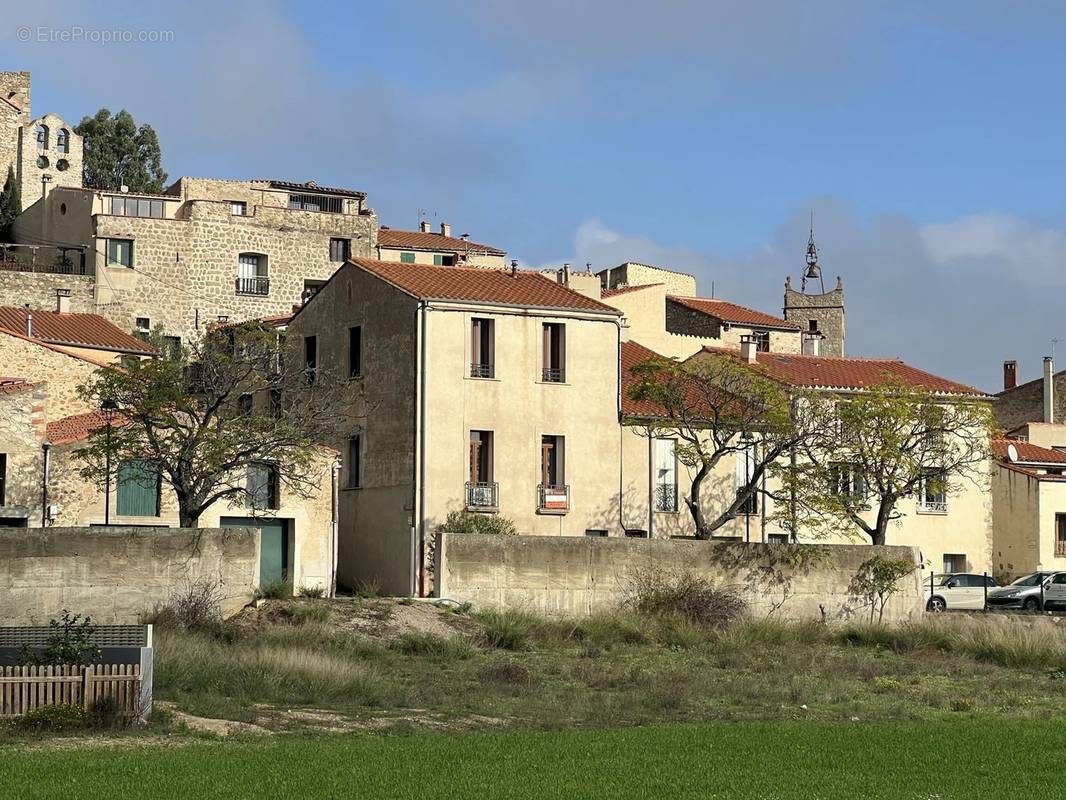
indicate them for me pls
(252, 274)
(63, 140)
(1060, 533)
(340, 249)
(316, 202)
(554, 363)
(138, 490)
(238, 208)
(481, 489)
(440, 260)
(3, 478)
(812, 326)
(42, 137)
(665, 475)
(745, 471)
(636, 533)
(932, 494)
(120, 253)
(311, 358)
(63, 165)
(42, 162)
(597, 533)
(844, 479)
(172, 347)
(553, 493)
(135, 207)
(355, 457)
(244, 404)
(482, 348)
(777, 538)
(954, 562)
(762, 341)
(261, 489)
(275, 403)
(311, 289)
(355, 351)
(407, 258)
(142, 328)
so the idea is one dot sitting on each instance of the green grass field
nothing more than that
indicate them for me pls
(965, 758)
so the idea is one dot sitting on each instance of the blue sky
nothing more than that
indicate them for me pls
(926, 137)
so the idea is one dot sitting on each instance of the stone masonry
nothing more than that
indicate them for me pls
(827, 310)
(22, 432)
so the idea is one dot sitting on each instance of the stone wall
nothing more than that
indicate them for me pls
(1025, 403)
(14, 87)
(634, 274)
(38, 290)
(827, 309)
(22, 429)
(115, 575)
(584, 575)
(22, 358)
(61, 168)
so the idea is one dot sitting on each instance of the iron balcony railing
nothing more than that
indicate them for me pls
(254, 286)
(553, 498)
(482, 370)
(482, 495)
(666, 497)
(932, 506)
(553, 375)
(1060, 548)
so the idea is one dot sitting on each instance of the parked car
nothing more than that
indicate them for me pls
(1025, 592)
(958, 591)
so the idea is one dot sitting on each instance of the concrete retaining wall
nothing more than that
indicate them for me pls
(581, 575)
(114, 575)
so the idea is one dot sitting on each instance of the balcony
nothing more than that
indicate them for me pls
(258, 287)
(553, 375)
(553, 499)
(482, 370)
(932, 507)
(1060, 548)
(666, 497)
(43, 259)
(482, 496)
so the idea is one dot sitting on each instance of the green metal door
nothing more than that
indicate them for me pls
(274, 551)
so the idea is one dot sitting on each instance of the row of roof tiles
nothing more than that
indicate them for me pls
(71, 329)
(428, 240)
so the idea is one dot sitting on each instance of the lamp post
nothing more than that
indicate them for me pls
(108, 408)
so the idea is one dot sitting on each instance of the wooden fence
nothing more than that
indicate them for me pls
(25, 688)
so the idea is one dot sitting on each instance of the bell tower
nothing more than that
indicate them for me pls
(813, 308)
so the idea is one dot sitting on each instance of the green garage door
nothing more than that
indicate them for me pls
(274, 557)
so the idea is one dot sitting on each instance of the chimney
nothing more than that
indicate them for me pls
(1010, 374)
(63, 301)
(445, 229)
(514, 267)
(1049, 389)
(812, 343)
(424, 226)
(749, 346)
(29, 324)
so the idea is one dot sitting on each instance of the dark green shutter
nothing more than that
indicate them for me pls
(138, 490)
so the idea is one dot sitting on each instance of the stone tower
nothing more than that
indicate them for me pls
(817, 311)
(14, 120)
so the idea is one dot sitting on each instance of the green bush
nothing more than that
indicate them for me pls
(315, 592)
(687, 595)
(368, 589)
(507, 629)
(69, 642)
(273, 590)
(428, 644)
(53, 719)
(467, 522)
(304, 613)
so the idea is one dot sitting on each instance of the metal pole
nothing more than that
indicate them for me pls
(1041, 593)
(985, 575)
(107, 476)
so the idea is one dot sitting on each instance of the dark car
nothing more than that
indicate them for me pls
(1025, 593)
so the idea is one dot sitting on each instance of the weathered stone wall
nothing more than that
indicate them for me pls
(634, 274)
(62, 168)
(38, 290)
(827, 308)
(15, 88)
(1025, 403)
(584, 575)
(689, 322)
(115, 575)
(22, 429)
(62, 373)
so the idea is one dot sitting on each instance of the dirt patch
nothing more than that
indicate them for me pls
(219, 727)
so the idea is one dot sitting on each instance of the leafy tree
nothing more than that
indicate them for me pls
(70, 641)
(877, 579)
(237, 398)
(890, 442)
(10, 204)
(116, 152)
(717, 407)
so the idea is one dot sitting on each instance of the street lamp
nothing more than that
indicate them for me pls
(109, 408)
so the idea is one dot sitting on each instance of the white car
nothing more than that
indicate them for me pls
(957, 592)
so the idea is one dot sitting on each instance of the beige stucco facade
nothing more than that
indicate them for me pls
(1026, 508)
(633, 273)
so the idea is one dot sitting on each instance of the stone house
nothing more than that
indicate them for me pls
(953, 531)
(22, 437)
(44, 152)
(488, 391)
(440, 248)
(203, 251)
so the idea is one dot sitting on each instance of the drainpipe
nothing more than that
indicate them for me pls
(46, 450)
(333, 529)
(651, 487)
(421, 560)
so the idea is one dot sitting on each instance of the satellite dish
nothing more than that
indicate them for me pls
(1012, 453)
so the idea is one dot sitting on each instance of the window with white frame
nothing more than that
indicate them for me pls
(932, 493)
(746, 459)
(665, 475)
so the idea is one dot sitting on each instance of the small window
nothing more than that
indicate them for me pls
(762, 341)
(340, 249)
(554, 355)
(597, 533)
(42, 137)
(665, 475)
(120, 253)
(63, 140)
(311, 358)
(552, 466)
(42, 162)
(238, 208)
(244, 404)
(812, 326)
(1060, 535)
(262, 487)
(745, 472)
(482, 348)
(62, 165)
(142, 328)
(636, 533)
(355, 458)
(275, 403)
(355, 351)
(172, 347)
(407, 258)
(954, 562)
(444, 259)
(844, 479)
(777, 538)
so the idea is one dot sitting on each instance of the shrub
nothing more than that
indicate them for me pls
(877, 579)
(428, 644)
(304, 613)
(52, 719)
(467, 522)
(507, 629)
(687, 595)
(273, 590)
(368, 589)
(105, 715)
(194, 606)
(69, 642)
(315, 592)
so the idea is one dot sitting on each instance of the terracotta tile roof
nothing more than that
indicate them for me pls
(73, 330)
(311, 186)
(78, 426)
(824, 372)
(417, 240)
(1027, 453)
(633, 354)
(732, 313)
(524, 288)
(11, 385)
(605, 293)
